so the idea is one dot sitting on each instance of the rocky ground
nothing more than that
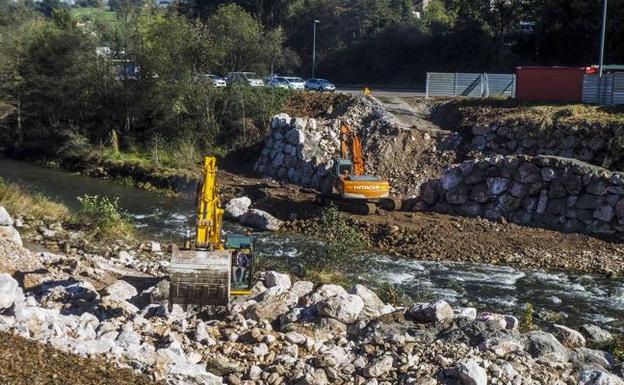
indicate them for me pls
(114, 309)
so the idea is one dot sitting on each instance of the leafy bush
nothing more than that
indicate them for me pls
(103, 216)
(341, 248)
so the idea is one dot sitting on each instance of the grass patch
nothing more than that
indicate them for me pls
(20, 202)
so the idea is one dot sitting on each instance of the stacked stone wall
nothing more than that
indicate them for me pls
(548, 191)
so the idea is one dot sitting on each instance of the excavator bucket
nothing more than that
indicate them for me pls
(200, 277)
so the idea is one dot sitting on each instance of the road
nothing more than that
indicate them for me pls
(385, 91)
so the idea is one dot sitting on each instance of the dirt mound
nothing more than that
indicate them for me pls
(314, 104)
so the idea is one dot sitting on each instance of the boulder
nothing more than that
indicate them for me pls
(237, 207)
(596, 335)
(295, 136)
(373, 306)
(280, 121)
(261, 220)
(273, 278)
(9, 291)
(379, 368)
(301, 288)
(467, 313)
(471, 373)
(121, 290)
(5, 217)
(569, 337)
(597, 376)
(545, 345)
(344, 308)
(438, 311)
(11, 234)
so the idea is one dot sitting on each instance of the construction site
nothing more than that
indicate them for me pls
(474, 210)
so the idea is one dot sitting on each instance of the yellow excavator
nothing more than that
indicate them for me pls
(209, 269)
(349, 187)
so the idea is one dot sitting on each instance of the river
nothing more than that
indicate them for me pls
(577, 298)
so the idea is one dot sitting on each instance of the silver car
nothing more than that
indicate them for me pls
(278, 82)
(319, 85)
(244, 78)
(296, 83)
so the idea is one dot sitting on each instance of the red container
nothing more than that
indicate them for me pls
(560, 84)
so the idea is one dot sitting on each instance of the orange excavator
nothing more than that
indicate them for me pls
(349, 187)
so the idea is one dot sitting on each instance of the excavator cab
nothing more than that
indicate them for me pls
(243, 263)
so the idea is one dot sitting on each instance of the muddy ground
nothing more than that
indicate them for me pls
(432, 236)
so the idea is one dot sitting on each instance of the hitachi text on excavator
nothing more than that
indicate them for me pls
(349, 187)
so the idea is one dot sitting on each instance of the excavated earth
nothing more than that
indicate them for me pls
(433, 236)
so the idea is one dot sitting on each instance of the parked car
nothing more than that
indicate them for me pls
(319, 85)
(296, 83)
(244, 78)
(277, 82)
(215, 80)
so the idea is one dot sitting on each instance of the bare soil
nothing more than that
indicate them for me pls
(432, 236)
(27, 362)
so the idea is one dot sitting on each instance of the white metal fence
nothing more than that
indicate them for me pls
(608, 90)
(476, 85)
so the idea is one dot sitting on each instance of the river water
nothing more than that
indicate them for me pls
(577, 298)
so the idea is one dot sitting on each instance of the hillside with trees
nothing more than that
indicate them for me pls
(67, 80)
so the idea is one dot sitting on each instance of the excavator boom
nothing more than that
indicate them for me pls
(350, 143)
(209, 211)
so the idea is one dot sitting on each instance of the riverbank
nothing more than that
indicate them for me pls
(287, 332)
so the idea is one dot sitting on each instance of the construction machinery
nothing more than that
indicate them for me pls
(209, 269)
(349, 187)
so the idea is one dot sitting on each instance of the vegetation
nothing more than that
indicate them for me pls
(20, 202)
(102, 217)
(125, 80)
(339, 257)
(526, 323)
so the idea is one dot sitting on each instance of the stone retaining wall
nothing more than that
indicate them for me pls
(298, 151)
(589, 144)
(548, 191)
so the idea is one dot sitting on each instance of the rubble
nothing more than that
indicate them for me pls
(284, 333)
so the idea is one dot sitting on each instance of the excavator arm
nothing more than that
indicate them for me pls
(209, 211)
(351, 147)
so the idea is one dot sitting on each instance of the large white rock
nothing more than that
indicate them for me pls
(280, 121)
(237, 207)
(373, 306)
(471, 373)
(569, 337)
(9, 291)
(121, 290)
(261, 220)
(344, 308)
(5, 217)
(273, 278)
(301, 288)
(438, 311)
(11, 234)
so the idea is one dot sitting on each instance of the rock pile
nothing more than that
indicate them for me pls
(558, 193)
(287, 333)
(301, 150)
(240, 209)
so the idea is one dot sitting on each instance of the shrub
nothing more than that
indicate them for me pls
(341, 248)
(103, 216)
(526, 324)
